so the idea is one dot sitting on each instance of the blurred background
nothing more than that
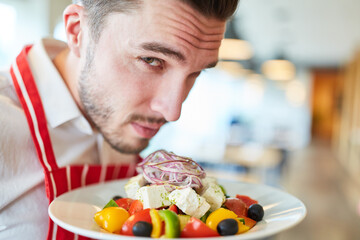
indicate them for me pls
(282, 107)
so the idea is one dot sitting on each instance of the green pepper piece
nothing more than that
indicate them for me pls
(205, 216)
(172, 223)
(224, 191)
(183, 219)
(242, 220)
(111, 203)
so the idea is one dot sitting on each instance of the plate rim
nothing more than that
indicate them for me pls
(104, 235)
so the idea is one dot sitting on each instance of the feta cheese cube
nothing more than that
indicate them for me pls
(133, 185)
(189, 202)
(154, 196)
(214, 196)
(207, 180)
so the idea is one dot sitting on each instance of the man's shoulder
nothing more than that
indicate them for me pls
(12, 117)
(15, 137)
(7, 90)
(4, 79)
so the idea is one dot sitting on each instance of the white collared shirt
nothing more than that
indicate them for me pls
(23, 202)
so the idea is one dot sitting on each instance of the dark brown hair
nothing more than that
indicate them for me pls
(219, 9)
(97, 10)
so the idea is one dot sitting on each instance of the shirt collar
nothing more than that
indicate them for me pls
(59, 105)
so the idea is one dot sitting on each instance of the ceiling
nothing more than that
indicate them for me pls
(311, 33)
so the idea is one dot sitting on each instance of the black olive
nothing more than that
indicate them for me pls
(228, 227)
(256, 212)
(142, 229)
(117, 197)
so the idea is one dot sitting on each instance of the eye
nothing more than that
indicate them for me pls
(154, 62)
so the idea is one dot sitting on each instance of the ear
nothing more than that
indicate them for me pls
(73, 18)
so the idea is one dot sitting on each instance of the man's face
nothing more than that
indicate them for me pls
(136, 77)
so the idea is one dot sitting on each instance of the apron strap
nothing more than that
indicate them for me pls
(30, 100)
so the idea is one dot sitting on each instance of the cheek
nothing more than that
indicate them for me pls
(121, 84)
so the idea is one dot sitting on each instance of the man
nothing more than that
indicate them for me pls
(125, 71)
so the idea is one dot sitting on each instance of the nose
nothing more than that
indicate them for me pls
(168, 98)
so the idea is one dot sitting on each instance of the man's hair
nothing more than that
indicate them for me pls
(97, 10)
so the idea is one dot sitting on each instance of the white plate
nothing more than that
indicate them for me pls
(74, 211)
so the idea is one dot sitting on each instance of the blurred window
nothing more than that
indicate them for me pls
(7, 35)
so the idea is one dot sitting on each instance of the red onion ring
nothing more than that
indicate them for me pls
(173, 171)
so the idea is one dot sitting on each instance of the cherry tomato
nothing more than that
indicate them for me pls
(174, 208)
(246, 199)
(124, 203)
(196, 228)
(127, 227)
(248, 221)
(237, 206)
(136, 206)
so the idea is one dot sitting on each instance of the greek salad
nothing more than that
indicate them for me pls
(172, 197)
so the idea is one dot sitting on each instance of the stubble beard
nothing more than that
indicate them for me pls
(99, 114)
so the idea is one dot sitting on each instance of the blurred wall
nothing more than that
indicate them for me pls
(324, 102)
(56, 10)
(23, 22)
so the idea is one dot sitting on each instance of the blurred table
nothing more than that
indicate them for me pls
(252, 155)
(249, 163)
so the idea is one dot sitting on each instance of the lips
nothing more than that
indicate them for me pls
(144, 130)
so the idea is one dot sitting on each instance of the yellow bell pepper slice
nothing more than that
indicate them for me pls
(156, 222)
(111, 218)
(220, 214)
(242, 227)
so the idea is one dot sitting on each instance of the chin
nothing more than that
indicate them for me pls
(129, 147)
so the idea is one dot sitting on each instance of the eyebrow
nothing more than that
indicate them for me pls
(161, 48)
(168, 51)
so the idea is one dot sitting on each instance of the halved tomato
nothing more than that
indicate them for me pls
(248, 221)
(196, 228)
(246, 199)
(136, 206)
(124, 203)
(143, 215)
(174, 208)
(237, 206)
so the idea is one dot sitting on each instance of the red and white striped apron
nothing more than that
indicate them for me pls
(57, 180)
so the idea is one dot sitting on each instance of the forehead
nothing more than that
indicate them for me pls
(175, 25)
(177, 18)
